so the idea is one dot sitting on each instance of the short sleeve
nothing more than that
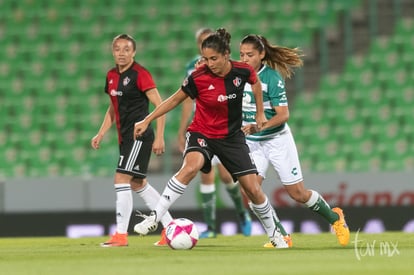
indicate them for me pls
(189, 87)
(145, 80)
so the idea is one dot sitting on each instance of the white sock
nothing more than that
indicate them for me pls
(207, 188)
(123, 207)
(231, 185)
(172, 192)
(151, 197)
(313, 199)
(266, 215)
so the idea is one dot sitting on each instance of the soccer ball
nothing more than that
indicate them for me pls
(181, 233)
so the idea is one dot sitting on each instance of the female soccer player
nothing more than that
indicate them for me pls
(274, 142)
(130, 88)
(207, 186)
(217, 87)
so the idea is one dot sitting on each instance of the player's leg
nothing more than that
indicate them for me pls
(133, 163)
(285, 160)
(196, 158)
(262, 163)
(123, 208)
(151, 196)
(208, 203)
(234, 154)
(233, 189)
(264, 211)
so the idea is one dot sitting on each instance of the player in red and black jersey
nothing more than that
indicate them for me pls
(217, 88)
(131, 88)
(208, 192)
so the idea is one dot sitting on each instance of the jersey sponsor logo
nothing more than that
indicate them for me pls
(211, 87)
(111, 81)
(222, 98)
(237, 81)
(202, 142)
(249, 117)
(115, 93)
(126, 81)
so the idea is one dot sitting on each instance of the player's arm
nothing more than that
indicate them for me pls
(107, 122)
(158, 146)
(186, 112)
(258, 96)
(163, 108)
(282, 116)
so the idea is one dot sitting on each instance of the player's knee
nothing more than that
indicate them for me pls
(299, 195)
(189, 170)
(254, 192)
(138, 184)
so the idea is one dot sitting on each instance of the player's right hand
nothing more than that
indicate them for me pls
(95, 141)
(140, 128)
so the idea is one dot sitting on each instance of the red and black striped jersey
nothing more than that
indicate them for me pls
(218, 112)
(127, 93)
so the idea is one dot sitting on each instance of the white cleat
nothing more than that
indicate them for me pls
(149, 224)
(278, 241)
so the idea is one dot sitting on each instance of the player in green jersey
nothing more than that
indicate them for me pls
(274, 143)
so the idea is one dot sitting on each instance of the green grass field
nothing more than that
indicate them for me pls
(387, 253)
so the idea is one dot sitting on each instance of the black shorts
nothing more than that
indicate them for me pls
(134, 157)
(233, 153)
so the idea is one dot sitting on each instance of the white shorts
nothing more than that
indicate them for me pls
(281, 152)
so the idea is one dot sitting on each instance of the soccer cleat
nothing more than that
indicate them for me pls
(163, 240)
(116, 240)
(149, 224)
(207, 234)
(278, 241)
(246, 223)
(340, 227)
(268, 245)
(287, 238)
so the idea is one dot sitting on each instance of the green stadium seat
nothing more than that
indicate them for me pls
(78, 34)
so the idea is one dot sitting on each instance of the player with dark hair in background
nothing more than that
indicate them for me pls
(130, 88)
(274, 142)
(207, 186)
(217, 87)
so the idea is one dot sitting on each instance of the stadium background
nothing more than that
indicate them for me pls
(351, 105)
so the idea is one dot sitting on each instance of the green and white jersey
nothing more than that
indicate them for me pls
(274, 94)
(190, 67)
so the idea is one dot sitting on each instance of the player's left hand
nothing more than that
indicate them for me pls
(261, 121)
(250, 129)
(158, 146)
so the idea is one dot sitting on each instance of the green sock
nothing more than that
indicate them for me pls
(208, 204)
(317, 204)
(235, 195)
(281, 228)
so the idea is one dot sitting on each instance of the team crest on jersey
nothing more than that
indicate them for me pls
(237, 81)
(202, 142)
(185, 82)
(126, 81)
